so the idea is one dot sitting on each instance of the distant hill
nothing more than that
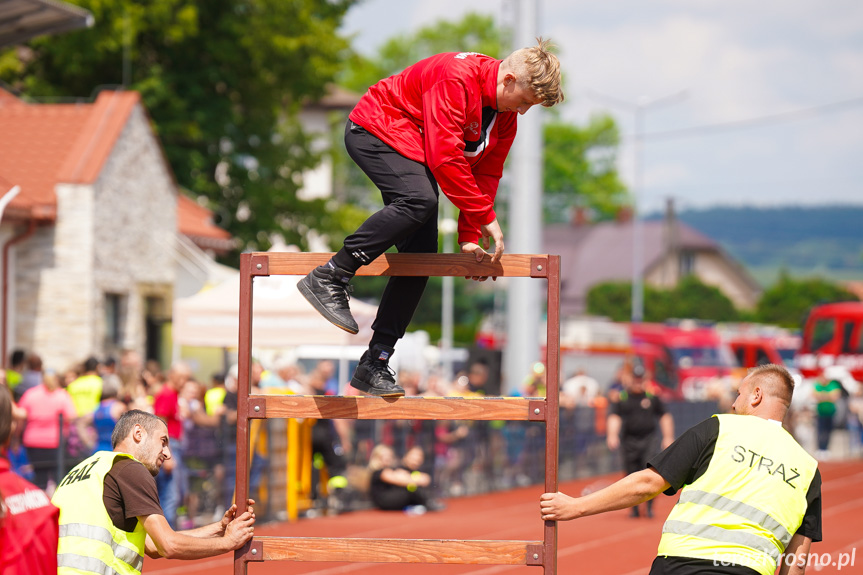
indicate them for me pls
(825, 241)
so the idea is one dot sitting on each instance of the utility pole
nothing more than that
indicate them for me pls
(525, 224)
(639, 108)
(448, 228)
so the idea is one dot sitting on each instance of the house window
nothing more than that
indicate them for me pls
(114, 304)
(687, 263)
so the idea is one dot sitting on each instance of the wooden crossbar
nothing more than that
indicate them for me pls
(538, 553)
(353, 407)
(363, 550)
(440, 265)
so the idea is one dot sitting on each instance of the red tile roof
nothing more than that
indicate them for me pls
(196, 222)
(46, 144)
(42, 145)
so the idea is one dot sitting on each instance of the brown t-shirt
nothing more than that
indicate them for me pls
(130, 491)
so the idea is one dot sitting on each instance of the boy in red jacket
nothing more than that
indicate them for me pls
(450, 120)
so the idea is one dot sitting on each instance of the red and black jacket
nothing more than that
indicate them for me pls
(442, 112)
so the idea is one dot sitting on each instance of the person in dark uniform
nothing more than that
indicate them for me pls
(632, 426)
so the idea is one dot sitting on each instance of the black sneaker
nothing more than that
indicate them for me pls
(328, 290)
(374, 376)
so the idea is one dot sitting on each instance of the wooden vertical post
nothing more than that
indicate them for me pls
(552, 391)
(244, 362)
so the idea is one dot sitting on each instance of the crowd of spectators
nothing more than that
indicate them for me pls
(66, 416)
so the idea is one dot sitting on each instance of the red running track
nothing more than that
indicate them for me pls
(610, 544)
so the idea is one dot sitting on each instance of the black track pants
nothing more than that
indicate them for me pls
(407, 221)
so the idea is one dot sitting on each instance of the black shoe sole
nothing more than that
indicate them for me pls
(312, 299)
(371, 390)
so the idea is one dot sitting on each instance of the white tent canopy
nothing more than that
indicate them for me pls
(281, 317)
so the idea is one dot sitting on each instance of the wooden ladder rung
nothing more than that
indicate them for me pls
(441, 265)
(362, 407)
(363, 550)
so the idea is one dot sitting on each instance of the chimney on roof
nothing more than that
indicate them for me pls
(671, 239)
(580, 216)
(624, 215)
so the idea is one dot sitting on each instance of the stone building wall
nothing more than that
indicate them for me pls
(115, 236)
(54, 311)
(135, 232)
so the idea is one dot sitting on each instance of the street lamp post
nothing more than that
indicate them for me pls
(639, 109)
(448, 228)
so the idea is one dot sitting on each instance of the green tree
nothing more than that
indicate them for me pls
(580, 169)
(611, 299)
(693, 299)
(787, 301)
(690, 299)
(223, 81)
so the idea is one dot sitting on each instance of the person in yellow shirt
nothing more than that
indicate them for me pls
(86, 390)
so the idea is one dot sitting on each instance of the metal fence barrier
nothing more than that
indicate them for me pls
(487, 456)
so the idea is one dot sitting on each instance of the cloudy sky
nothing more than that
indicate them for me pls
(774, 88)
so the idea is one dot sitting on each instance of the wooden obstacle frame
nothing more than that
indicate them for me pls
(381, 550)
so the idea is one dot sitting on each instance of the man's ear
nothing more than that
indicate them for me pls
(508, 79)
(756, 396)
(138, 433)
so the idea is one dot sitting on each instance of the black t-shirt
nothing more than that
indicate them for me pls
(130, 491)
(685, 461)
(639, 413)
(381, 491)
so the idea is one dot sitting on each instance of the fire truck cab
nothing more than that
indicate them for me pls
(832, 335)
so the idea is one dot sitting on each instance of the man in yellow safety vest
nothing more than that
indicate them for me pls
(110, 514)
(750, 495)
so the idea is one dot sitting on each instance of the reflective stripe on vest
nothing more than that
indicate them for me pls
(89, 542)
(720, 534)
(82, 563)
(129, 556)
(746, 506)
(738, 508)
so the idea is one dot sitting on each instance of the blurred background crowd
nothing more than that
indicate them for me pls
(409, 465)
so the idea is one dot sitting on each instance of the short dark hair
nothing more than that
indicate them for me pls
(132, 418)
(777, 380)
(34, 362)
(17, 357)
(91, 364)
(5, 414)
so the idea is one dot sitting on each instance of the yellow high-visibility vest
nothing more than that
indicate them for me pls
(86, 392)
(89, 541)
(213, 398)
(749, 502)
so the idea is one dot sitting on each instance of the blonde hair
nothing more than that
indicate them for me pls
(775, 380)
(378, 456)
(538, 69)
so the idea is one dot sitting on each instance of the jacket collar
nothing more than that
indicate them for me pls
(489, 82)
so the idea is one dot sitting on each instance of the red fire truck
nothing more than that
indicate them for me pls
(684, 358)
(698, 357)
(832, 335)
